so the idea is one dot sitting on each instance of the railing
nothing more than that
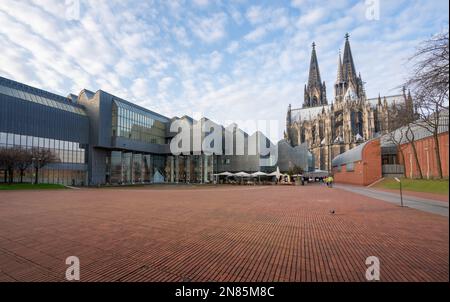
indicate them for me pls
(393, 169)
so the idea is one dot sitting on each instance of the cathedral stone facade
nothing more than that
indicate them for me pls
(351, 119)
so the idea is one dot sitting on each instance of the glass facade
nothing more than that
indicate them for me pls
(40, 97)
(189, 169)
(135, 168)
(136, 124)
(68, 154)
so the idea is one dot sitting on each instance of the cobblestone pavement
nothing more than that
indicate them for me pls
(229, 233)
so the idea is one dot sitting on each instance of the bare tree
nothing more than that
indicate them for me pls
(430, 86)
(42, 157)
(5, 162)
(24, 159)
(397, 137)
(411, 138)
(10, 159)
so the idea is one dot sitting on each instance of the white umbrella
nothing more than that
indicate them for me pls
(259, 173)
(242, 174)
(276, 173)
(225, 174)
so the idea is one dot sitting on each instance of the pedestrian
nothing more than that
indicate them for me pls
(331, 181)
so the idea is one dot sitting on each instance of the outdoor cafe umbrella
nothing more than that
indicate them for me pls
(276, 173)
(242, 174)
(226, 173)
(258, 174)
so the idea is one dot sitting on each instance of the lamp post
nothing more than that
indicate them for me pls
(401, 195)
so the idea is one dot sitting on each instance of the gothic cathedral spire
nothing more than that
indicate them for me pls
(315, 91)
(348, 82)
(348, 67)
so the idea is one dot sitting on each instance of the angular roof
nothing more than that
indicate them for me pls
(349, 156)
(35, 95)
(307, 114)
(419, 129)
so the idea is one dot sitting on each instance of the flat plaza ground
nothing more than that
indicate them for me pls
(227, 233)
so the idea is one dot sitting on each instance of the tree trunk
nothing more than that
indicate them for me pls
(11, 176)
(21, 176)
(438, 154)
(402, 156)
(417, 159)
(36, 176)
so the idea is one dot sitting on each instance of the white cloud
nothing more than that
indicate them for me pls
(256, 34)
(141, 88)
(209, 29)
(255, 14)
(215, 60)
(181, 36)
(311, 17)
(232, 47)
(175, 58)
(201, 3)
(297, 3)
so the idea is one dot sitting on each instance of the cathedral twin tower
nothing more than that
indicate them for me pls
(330, 129)
(346, 79)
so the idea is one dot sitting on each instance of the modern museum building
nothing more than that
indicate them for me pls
(98, 138)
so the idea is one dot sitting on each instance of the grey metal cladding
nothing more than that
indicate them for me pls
(29, 118)
(122, 143)
(39, 96)
(350, 156)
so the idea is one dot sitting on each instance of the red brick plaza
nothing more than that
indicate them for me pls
(236, 233)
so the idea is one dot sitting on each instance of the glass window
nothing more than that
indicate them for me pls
(2, 138)
(15, 93)
(3, 90)
(23, 140)
(10, 139)
(21, 94)
(33, 98)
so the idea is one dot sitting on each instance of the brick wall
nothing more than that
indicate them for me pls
(366, 171)
(427, 158)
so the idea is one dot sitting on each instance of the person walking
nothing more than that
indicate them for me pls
(330, 181)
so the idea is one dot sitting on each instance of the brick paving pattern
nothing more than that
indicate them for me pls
(274, 233)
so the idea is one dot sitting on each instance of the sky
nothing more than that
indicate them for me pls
(228, 60)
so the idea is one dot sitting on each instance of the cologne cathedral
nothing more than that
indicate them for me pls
(329, 129)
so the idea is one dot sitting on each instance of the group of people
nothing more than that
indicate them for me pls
(329, 181)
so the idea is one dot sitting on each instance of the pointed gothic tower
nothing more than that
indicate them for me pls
(315, 91)
(348, 83)
(348, 65)
(339, 85)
